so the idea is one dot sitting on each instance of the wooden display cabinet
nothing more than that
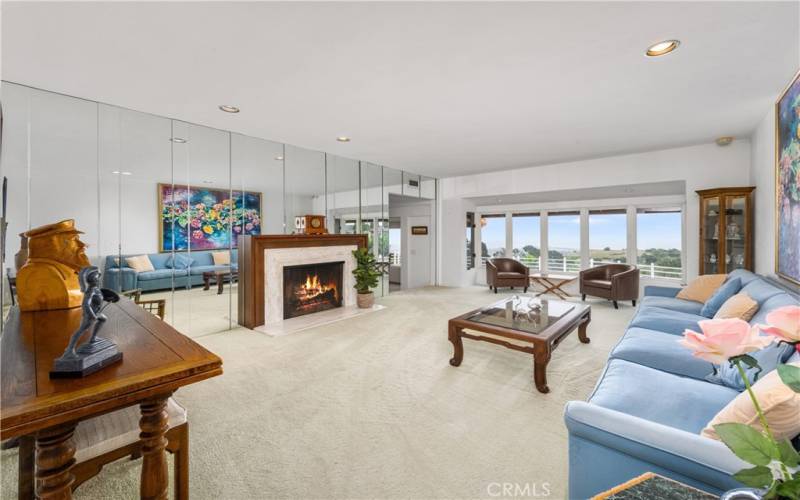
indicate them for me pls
(726, 229)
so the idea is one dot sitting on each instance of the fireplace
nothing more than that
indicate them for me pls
(311, 288)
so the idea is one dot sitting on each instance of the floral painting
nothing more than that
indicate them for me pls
(787, 111)
(203, 218)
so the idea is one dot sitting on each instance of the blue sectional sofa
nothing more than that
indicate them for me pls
(652, 401)
(165, 274)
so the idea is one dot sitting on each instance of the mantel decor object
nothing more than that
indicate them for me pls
(97, 352)
(49, 278)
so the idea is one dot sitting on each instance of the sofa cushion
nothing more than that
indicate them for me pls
(723, 293)
(161, 273)
(202, 258)
(744, 276)
(222, 258)
(508, 275)
(673, 304)
(140, 263)
(739, 306)
(760, 290)
(665, 398)
(179, 261)
(702, 288)
(159, 260)
(598, 283)
(772, 303)
(768, 360)
(664, 320)
(661, 351)
(780, 404)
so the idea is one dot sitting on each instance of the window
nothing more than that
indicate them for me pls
(394, 244)
(493, 236)
(658, 242)
(525, 229)
(564, 241)
(608, 236)
(470, 240)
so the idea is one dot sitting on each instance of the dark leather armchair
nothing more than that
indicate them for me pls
(507, 272)
(611, 281)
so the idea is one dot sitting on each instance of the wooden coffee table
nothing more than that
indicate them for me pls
(220, 277)
(531, 325)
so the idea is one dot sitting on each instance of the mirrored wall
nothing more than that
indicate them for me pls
(179, 193)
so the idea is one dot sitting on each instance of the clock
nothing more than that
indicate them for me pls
(313, 224)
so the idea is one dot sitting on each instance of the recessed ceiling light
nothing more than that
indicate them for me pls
(178, 140)
(228, 108)
(724, 141)
(662, 48)
(343, 139)
(279, 158)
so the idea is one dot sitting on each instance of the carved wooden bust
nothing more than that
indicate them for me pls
(49, 278)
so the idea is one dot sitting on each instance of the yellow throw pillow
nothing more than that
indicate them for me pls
(702, 288)
(221, 258)
(739, 306)
(140, 263)
(781, 406)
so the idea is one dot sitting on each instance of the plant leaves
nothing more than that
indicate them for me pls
(748, 360)
(757, 477)
(790, 375)
(747, 443)
(789, 455)
(790, 489)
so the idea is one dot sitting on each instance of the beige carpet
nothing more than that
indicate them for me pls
(370, 408)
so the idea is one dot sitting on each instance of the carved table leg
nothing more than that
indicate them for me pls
(27, 467)
(220, 284)
(206, 281)
(55, 456)
(582, 331)
(541, 356)
(454, 336)
(153, 424)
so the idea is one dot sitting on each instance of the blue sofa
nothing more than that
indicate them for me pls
(162, 278)
(652, 401)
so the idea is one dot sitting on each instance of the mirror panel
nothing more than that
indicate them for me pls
(305, 184)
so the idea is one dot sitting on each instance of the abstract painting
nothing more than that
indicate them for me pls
(787, 182)
(203, 218)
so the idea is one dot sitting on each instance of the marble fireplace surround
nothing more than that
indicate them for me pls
(275, 259)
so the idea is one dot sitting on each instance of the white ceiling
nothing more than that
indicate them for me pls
(435, 88)
(648, 189)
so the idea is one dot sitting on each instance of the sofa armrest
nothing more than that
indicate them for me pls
(660, 291)
(706, 460)
(120, 279)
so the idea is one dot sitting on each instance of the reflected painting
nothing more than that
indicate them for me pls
(787, 130)
(200, 218)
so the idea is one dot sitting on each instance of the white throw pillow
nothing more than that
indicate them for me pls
(140, 263)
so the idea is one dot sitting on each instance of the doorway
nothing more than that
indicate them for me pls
(411, 240)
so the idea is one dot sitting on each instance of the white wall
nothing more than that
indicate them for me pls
(700, 167)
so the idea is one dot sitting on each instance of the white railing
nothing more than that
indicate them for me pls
(573, 265)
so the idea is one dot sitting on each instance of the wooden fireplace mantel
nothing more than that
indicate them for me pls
(251, 266)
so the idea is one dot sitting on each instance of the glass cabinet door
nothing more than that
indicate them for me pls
(711, 234)
(734, 232)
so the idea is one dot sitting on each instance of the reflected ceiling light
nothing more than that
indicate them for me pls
(178, 140)
(228, 108)
(662, 48)
(208, 182)
(117, 172)
(343, 139)
(279, 158)
(724, 141)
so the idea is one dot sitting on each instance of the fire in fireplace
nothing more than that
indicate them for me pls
(311, 288)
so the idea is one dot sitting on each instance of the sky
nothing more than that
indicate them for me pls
(662, 230)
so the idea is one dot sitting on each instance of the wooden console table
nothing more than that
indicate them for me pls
(157, 360)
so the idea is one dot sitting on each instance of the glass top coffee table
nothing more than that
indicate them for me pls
(532, 325)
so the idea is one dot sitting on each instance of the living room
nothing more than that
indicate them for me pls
(315, 234)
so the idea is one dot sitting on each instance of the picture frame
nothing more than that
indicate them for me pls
(197, 217)
(787, 182)
(419, 230)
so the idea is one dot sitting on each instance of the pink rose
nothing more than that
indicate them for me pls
(248, 227)
(784, 324)
(195, 223)
(723, 339)
(198, 235)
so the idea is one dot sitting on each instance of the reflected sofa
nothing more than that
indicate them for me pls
(124, 278)
(652, 400)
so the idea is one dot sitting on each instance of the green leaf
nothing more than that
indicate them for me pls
(747, 443)
(790, 375)
(748, 360)
(790, 489)
(757, 477)
(789, 455)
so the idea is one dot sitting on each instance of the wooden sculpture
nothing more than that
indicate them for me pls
(49, 278)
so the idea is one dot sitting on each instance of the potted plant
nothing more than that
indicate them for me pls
(776, 464)
(366, 274)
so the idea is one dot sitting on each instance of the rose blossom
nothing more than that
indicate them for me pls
(783, 323)
(723, 339)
